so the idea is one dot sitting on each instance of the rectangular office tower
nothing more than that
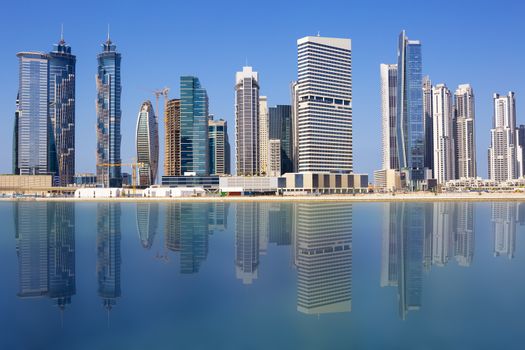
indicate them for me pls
(219, 146)
(247, 104)
(465, 139)
(324, 104)
(33, 130)
(193, 127)
(108, 116)
(172, 138)
(502, 150)
(410, 122)
(388, 115)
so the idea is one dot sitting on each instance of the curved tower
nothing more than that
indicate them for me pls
(147, 142)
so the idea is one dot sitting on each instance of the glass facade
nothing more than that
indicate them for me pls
(219, 147)
(410, 127)
(193, 126)
(281, 129)
(108, 116)
(62, 112)
(34, 131)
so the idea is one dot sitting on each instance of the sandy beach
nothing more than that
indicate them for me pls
(370, 197)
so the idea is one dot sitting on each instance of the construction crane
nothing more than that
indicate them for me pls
(161, 92)
(134, 166)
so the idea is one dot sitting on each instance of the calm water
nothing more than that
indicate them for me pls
(262, 275)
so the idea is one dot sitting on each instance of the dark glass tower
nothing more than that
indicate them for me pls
(62, 112)
(410, 122)
(108, 116)
(280, 121)
(193, 126)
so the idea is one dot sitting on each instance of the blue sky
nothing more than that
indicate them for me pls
(463, 42)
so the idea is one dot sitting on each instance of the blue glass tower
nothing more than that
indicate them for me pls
(108, 116)
(280, 122)
(193, 126)
(410, 123)
(62, 112)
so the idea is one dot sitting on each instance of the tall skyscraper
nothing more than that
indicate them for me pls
(443, 139)
(323, 257)
(62, 111)
(108, 116)
(520, 150)
(410, 123)
(324, 104)
(172, 165)
(281, 128)
(219, 147)
(35, 133)
(388, 115)
(465, 136)
(247, 122)
(502, 150)
(429, 125)
(264, 124)
(147, 143)
(193, 127)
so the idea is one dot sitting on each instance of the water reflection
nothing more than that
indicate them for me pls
(323, 257)
(147, 223)
(45, 247)
(108, 253)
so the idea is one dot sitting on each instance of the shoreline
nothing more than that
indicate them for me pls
(358, 198)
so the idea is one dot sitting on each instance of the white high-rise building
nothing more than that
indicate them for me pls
(274, 157)
(324, 104)
(443, 139)
(502, 150)
(263, 135)
(465, 140)
(388, 115)
(247, 122)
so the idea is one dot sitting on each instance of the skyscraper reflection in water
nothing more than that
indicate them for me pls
(505, 216)
(45, 236)
(417, 236)
(108, 253)
(323, 257)
(247, 225)
(187, 227)
(147, 223)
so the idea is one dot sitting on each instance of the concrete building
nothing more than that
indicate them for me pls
(429, 125)
(388, 115)
(172, 165)
(443, 139)
(323, 98)
(247, 119)
(502, 150)
(387, 180)
(324, 183)
(465, 132)
(264, 124)
(274, 158)
(147, 145)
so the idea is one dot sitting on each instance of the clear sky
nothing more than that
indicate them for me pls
(476, 42)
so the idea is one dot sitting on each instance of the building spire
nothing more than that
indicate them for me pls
(108, 39)
(62, 41)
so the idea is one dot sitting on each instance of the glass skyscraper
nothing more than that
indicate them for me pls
(193, 126)
(108, 116)
(62, 112)
(34, 132)
(280, 122)
(219, 147)
(410, 124)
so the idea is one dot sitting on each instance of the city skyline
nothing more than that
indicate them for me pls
(376, 46)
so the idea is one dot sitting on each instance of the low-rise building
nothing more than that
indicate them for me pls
(325, 182)
(205, 182)
(252, 184)
(24, 182)
(85, 180)
(170, 192)
(387, 180)
(99, 192)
